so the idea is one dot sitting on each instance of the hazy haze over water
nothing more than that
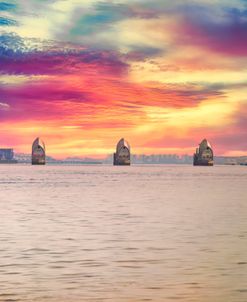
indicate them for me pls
(138, 233)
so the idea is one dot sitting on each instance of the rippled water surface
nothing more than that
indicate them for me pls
(139, 233)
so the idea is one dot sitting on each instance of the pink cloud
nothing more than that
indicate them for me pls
(229, 38)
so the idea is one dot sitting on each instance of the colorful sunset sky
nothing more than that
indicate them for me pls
(81, 74)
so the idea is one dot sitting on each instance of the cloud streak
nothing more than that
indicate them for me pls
(4, 106)
(221, 30)
(162, 74)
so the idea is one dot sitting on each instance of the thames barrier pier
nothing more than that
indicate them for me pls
(38, 152)
(122, 155)
(7, 156)
(204, 155)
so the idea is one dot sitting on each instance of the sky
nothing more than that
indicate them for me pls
(81, 74)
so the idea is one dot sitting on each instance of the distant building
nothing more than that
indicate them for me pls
(38, 152)
(122, 155)
(7, 156)
(204, 154)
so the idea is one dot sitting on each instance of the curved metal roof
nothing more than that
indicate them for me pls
(205, 144)
(38, 142)
(122, 143)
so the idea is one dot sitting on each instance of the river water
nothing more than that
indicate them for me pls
(138, 233)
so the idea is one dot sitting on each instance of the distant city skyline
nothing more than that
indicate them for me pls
(135, 159)
(83, 74)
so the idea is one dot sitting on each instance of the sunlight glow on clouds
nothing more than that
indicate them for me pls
(163, 74)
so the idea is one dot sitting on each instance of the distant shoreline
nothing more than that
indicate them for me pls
(65, 163)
